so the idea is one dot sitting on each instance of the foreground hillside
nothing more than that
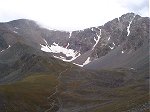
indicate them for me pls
(28, 77)
(28, 95)
(77, 90)
(111, 90)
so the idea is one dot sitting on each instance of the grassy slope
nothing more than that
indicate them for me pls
(128, 97)
(29, 94)
(78, 90)
(36, 80)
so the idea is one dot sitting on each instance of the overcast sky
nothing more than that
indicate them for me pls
(70, 14)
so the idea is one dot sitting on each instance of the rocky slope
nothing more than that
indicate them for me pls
(127, 33)
(20, 59)
(121, 36)
(131, 52)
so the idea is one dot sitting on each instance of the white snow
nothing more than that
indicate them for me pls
(92, 29)
(118, 19)
(87, 61)
(2, 50)
(111, 47)
(113, 43)
(76, 55)
(108, 38)
(100, 32)
(15, 32)
(55, 48)
(122, 52)
(128, 28)
(45, 41)
(7, 48)
(16, 28)
(45, 48)
(78, 64)
(70, 33)
(97, 40)
(58, 49)
(132, 68)
(67, 45)
(62, 58)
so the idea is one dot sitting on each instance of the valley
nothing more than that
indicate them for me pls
(98, 69)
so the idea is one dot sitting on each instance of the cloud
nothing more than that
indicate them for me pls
(70, 14)
(140, 7)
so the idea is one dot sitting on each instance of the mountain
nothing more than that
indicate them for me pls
(79, 47)
(40, 68)
(120, 36)
(20, 59)
(32, 34)
(124, 49)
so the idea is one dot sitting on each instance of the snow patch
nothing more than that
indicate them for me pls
(58, 49)
(45, 42)
(55, 48)
(118, 19)
(67, 45)
(92, 29)
(61, 58)
(15, 32)
(78, 64)
(111, 47)
(87, 61)
(7, 48)
(113, 43)
(2, 50)
(70, 33)
(97, 40)
(16, 28)
(132, 68)
(108, 38)
(45, 48)
(128, 28)
(122, 52)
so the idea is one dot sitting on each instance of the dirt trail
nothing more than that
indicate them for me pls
(56, 102)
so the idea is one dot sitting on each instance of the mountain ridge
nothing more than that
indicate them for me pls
(79, 41)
